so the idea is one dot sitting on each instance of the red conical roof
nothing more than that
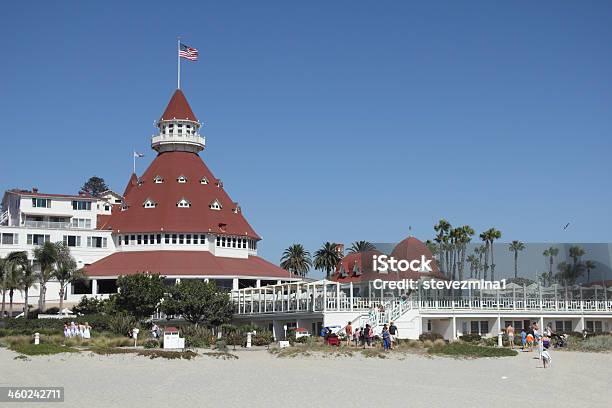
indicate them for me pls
(178, 108)
(200, 189)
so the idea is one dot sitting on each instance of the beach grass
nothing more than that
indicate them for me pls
(41, 349)
(598, 344)
(151, 353)
(460, 349)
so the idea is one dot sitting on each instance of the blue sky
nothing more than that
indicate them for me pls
(331, 121)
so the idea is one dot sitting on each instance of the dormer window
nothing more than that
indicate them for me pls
(183, 203)
(124, 207)
(139, 182)
(149, 203)
(204, 180)
(219, 183)
(158, 180)
(236, 208)
(182, 179)
(215, 205)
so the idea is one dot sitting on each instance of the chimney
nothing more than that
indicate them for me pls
(35, 189)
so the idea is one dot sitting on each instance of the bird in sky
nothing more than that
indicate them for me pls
(566, 225)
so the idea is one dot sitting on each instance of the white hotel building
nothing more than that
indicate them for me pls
(177, 220)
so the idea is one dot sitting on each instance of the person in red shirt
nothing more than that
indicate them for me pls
(348, 329)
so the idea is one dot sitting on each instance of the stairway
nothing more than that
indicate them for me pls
(4, 217)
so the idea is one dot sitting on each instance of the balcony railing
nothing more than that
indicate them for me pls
(52, 225)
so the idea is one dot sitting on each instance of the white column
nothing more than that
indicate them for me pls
(235, 283)
(324, 295)
(94, 286)
(297, 297)
(251, 300)
(337, 296)
(351, 289)
(454, 328)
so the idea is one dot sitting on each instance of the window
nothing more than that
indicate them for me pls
(139, 239)
(41, 203)
(96, 242)
(149, 203)
(215, 205)
(188, 239)
(158, 180)
(72, 240)
(81, 223)
(183, 203)
(174, 238)
(180, 129)
(474, 327)
(204, 180)
(182, 179)
(146, 240)
(181, 239)
(38, 239)
(159, 241)
(106, 207)
(167, 238)
(81, 205)
(10, 239)
(563, 326)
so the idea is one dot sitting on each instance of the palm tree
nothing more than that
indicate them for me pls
(442, 228)
(589, 265)
(45, 257)
(575, 252)
(465, 236)
(66, 272)
(473, 261)
(13, 272)
(296, 259)
(25, 274)
(490, 236)
(485, 266)
(516, 246)
(550, 253)
(327, 258)
(480, 250)
(361, 246)
(569, 273)
(3, 267)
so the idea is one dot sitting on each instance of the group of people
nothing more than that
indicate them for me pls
(82, 330)
(365, 337)
(533, 337)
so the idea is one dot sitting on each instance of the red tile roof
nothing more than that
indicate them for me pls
(178, 108)
(166, 216)
(190, 263)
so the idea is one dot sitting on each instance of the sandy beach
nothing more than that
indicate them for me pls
(259, 379)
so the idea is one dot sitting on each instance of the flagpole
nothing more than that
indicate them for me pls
(178, 63)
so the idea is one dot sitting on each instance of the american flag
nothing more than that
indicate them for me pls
(188, 52)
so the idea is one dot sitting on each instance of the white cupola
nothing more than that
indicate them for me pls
(178, 128)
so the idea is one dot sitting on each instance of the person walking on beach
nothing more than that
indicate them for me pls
(357, 336)
(393, 331)
(523, 339)
(510, 333)
(349, 333)
(386, 338)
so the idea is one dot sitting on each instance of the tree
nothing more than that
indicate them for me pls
(569, 273)
(485, 266)
(361, 246)
(465, 236)
(489, 236)
(45, 257)
(66, 272)
(198, 302)
(550, 254)
(3, 275)
(139, 294)
(94, 186)
(327, 258)
(28, 279)
(516, 246)
(575, 252)
(13, 275)
(589, 265)
(296, 260)
(480, 250)
(442, 228)
(474, 265)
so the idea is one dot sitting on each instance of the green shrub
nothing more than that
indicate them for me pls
(262, 338)
(594, 343)
(122, 323)
(41, 349)
(90, 306)
(471, 338)
(430, 336)
(221, 346)
(196, 336)
(151, 344)
(303, 340)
